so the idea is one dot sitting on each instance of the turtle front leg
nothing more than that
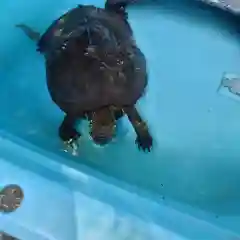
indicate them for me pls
(68, 134)
(144, 139)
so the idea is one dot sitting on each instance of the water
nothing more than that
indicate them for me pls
(195, 161)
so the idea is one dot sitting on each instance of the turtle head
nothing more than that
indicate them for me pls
(103, 126)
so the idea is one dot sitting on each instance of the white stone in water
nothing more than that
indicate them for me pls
(232, 82)
(232, 5)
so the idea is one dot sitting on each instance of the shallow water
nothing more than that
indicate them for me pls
(196, 129)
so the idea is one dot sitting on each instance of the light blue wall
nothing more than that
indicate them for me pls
(196, 156)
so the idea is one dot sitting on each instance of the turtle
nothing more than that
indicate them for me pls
(95, 71)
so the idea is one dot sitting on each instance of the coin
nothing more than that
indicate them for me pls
(11, 197)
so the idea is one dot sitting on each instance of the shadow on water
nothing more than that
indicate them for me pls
(196, 157)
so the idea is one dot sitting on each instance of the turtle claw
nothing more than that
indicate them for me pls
(71, 146)
(144, 143)
(69, 135)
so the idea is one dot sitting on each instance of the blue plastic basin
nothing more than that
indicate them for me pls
(186, 188)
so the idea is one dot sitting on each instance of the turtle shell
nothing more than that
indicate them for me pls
(93, 61)
(75, 22)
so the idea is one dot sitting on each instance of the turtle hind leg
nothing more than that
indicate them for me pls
(33, 35)
(118, 7)
(144, 139)
(68, 133)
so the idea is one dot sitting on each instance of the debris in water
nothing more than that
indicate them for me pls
(210, 110)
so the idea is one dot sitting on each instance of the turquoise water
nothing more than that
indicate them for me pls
(194, 166)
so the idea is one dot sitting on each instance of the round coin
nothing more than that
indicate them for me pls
(11, 197)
